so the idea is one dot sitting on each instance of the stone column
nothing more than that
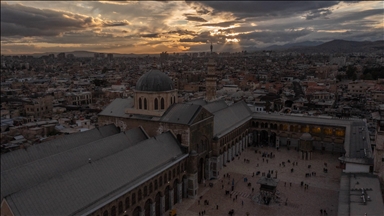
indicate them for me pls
(162, 205)
(142, 213)
(185, 182)
(179, 192)
(171, 193)
(152, 209)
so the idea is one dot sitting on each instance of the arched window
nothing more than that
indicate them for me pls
(156, 104)
(133, 199)
(169, 175)
(156, 184)
(150, 188)
(139, 195)
(140, 104)
(162, 103)
(145, 103)
(178, 170)
(105, 213)
(113, 211)
(145, 191)
(120, 207)
(127, 203)
(161, 181)
(165, 178)
(179, 137)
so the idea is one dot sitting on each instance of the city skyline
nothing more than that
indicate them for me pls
(177, 26)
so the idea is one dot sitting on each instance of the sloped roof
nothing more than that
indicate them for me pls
(181, 113)
(215, 106)
(117, 107)
(20, 157)
(34, 172)
(231, 117)
(87, 188)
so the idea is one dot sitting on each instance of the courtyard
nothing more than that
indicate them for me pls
(293, 199)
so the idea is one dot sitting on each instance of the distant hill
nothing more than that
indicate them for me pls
(293, 45)
(346, 46)
(82, 54)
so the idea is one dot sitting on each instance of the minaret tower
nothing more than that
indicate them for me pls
(210, 80)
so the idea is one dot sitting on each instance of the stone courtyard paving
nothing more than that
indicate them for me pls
(322, 192)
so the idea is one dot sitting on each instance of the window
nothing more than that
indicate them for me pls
(169, 175)
(165, 178)
(173, 173)
(105, 213)
(145, 191)
(113, 211)
(139, 195)
(120, 207)
(150, 188)
(162, 103)
(179, 137)
(156, 184)
(127, 203)
(156, 104)
(145, 103)
(140, 105)
(160, 181)
(133, 199)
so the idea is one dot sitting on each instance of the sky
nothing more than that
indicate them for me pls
(149, 27)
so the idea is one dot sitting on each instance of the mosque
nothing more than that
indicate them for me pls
(150, 152)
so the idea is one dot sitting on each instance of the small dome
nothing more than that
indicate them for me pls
(154, 80)
(306, 137)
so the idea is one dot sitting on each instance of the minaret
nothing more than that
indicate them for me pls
(210, 80)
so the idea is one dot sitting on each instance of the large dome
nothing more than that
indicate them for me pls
(154, 80)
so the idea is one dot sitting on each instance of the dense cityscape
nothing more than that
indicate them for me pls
(285, 129)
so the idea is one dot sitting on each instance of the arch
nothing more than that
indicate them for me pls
(165, 178)
(175, 191)
(173, 173)
(179, 137)
(156, 185)
(257, 124)
(157, 205)
(167, 200)
(160, 181)
(281, 127)
(169, 175)
(273, 139)
(184, 189)
(291, 128)
(162, 103)
(120, 207)
(113, 211)
(200, 170)
(288, 103)
(264, 137)
(262, 125)
(140, 104)
(145, 103)
(105, 213)
(147, 207)
(137, 211)
(156, 104)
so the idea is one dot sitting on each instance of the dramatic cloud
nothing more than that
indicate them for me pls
(196, 19)
(177, 26)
